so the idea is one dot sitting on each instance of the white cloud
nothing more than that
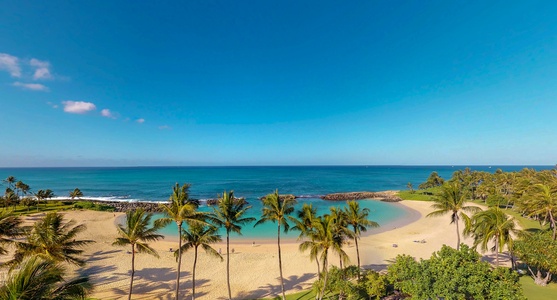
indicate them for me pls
(11, 64)
(42, 70)
(140, 121)
(165, 127)
(78, 107)
(52, 104)
(31, 86)
(107, 113)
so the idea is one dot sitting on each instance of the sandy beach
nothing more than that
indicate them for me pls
(254, 268)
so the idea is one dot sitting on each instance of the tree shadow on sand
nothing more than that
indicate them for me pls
(148, 279)
(504, 259)
(291, 284)
(100, 255)
(376, 267)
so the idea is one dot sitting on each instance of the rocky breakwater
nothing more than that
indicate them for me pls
(383, 196)
(120, 206)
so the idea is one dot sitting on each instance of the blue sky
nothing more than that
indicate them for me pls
(113, 83)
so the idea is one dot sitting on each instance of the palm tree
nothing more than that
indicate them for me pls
(199, 235)
(452, 200)
(10, 228)
(179, 209)
(229, 214)
(22, 187)
(542, 202)
(340, 230)
(9, 197)
(76, 193)
(10, 180)
(40, 195)
(276, 210)
(50, 238)
(37, 278)
(323, 239)
(303, 223)
(493, 225)
(358, 219)
(136, 233)
(48, 194)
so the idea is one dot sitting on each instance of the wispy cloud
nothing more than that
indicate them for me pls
(108, 114)
(11, 64)
(52, 104)
(140, 121)
(31, 86)
(42, 70)
(165, 127)
(78, 107)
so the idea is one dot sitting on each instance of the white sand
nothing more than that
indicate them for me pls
(254, 269)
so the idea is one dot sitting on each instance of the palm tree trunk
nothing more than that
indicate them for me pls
(325, 277)
(133, 271)
(318, 268)
(179, 259)
(358, 256)
(496, 251)
(457, 233)
(552, 224)
(193, 275)
(228, 264)
(280, 263)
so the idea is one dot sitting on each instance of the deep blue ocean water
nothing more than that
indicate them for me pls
(155, 183)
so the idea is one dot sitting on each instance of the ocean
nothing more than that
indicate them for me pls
(307, 182)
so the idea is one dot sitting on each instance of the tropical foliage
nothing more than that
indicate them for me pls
(493, 226)
(432, 181)
(37, 278)
(452, 199)
(180, 208)
(136, 233)
(276, 209)
(53, 239)
(10, 228)
(229, 213)
(358, 219)
(453, 274)
(539, 252)
(195, 236)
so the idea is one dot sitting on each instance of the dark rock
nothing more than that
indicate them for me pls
(383, 196)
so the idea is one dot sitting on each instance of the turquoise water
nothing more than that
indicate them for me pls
(380, 212)
(155, 184)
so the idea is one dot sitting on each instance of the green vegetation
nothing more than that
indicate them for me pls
(180, 209)
(277, 210)
(419, 195)
(453, 274)
(92, 206)
(136, 233)
(229, 213)
(195, 236)
(37, 278)
(535, 292)
(527, 197)
(452, 200)
(539, 251)
(52, 239)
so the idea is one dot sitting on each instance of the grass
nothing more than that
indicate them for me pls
(534, 291)
(21, 210)
(49, 206)
(419, 195)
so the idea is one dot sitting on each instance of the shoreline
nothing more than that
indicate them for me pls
(410, 216)
(254, 269)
